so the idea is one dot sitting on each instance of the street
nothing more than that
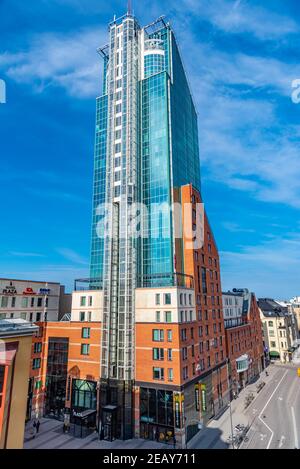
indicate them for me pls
(273, 416)
(276, 413)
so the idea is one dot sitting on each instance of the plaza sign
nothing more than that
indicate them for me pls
(9, 290)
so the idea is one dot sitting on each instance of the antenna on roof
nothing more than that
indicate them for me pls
(129, 7)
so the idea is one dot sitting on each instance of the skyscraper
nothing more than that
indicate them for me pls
(146, 161)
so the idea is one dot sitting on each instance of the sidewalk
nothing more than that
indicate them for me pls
(217, 432)
(51, 436)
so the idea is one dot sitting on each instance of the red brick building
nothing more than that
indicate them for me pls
(244, 341)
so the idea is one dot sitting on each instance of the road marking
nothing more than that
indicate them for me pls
(262, 437)
(280, 398)
(272, 433)
(281, 441)
(295, 428)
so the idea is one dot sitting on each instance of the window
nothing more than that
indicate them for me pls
(39, 302)
(183, 334)
(157, 299)
(81, 316)
(192, 332)
(170, 374)
(200, 331)
(190, 300)
(158, 373)
(38, 316)
(46, 302)
(181, 299)
(201, 347)
(170, 354)
(193, 350)
(273, 344)
(3, 316)
(37, 348)
(168, 316)
(194, 369)
(158, 353)
(169, 334)
(31, 317)
(185, 372)
(82, 300)
(271, 333)
(157, 316)
(32, 302)
(86, 332)
(4, 301)
(158, 335)
(207, 345)
(24, 302)
(118, 145)
(85, 349)
(191, 316)
(89, 316)
(208, 362)
(184, 353)
(271, 324)
(13, 302)
(23, 316)
(36, 363)
(90, 301)
(203, 277)
(181, 316)
(167, 298)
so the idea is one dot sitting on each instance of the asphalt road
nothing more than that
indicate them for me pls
(275, 413)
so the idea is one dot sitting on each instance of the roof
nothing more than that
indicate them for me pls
(16, 327)
(29, 281)
(270, 308)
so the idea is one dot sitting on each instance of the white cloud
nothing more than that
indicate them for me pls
(241, 16)
(70, 62)
(25, 254)
(266, 269)
(72, 256)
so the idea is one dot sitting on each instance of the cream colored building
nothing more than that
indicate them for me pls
(87, 305)
(279, 329)
(32, 301)
(15, 355)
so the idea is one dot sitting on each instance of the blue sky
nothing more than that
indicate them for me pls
(241, 58)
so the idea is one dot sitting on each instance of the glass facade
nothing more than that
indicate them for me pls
(56, 377)
(146, 127)
(97, 244)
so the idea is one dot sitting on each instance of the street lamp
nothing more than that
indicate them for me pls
(230, 409)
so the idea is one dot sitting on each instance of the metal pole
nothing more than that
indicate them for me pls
(233, 447)
(230, 410)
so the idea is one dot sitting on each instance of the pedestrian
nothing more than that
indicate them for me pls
(64, 428)
(37, 425)
(33, 429)
(174, 442)
(157, 435)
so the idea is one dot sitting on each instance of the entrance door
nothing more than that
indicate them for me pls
(109, 424)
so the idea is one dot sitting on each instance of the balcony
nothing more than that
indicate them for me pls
(166, 280)
(83, 284)
(242, 363)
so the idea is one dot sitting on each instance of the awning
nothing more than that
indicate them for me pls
(275, 354)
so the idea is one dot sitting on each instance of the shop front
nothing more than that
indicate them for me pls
(156, 415)
(83, 407)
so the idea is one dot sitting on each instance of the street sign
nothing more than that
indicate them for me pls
(299, 372)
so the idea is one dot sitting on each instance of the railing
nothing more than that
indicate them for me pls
(170, 279)
(82, 284)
